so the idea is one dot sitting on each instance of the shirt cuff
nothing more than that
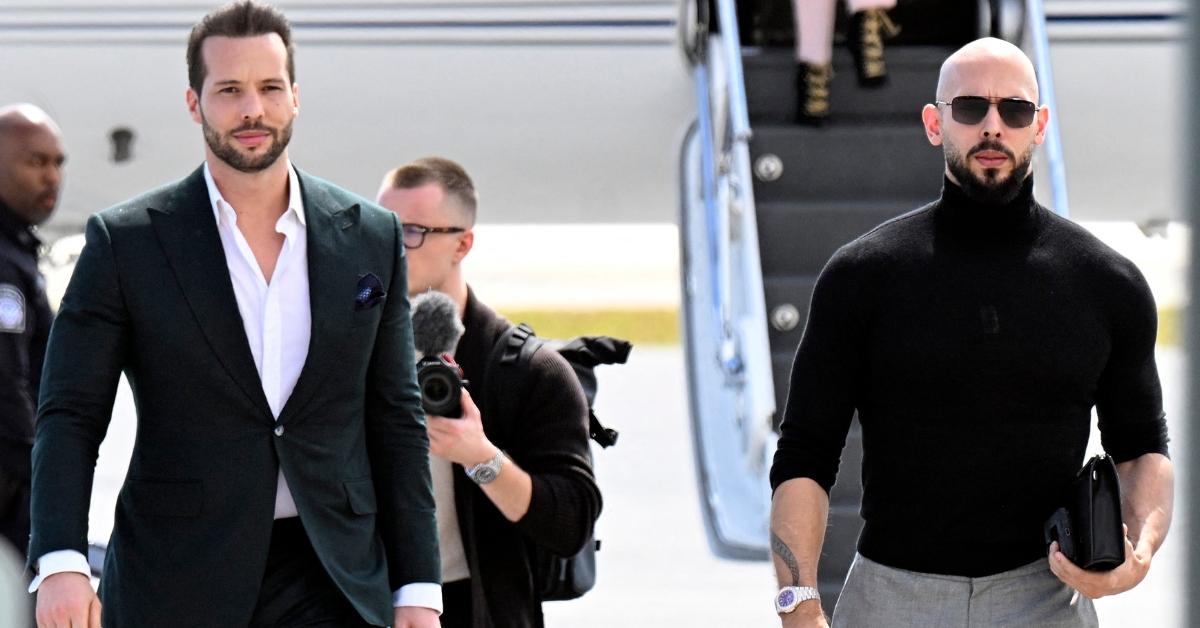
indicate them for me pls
(425, 594)
(63, 561)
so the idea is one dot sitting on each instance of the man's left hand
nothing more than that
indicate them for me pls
(416, 617)
(1097, 584)
(460, 440)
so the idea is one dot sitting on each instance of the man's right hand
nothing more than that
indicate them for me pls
(808, 614)
(66, 600)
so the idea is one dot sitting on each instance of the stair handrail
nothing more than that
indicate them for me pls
(736, 84)
(724, 129)
(733, 419)
(1035, 12)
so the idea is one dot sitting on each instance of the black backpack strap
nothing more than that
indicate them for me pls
(507, 372)
(518, 349)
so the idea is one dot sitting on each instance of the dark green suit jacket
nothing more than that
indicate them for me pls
(151, 296)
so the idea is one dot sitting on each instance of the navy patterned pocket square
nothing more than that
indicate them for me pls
(370, 292)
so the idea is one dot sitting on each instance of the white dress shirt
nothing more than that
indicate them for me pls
(276, 315)
(277, 318)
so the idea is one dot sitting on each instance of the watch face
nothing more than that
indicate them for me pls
(787, 597)
(485, 475)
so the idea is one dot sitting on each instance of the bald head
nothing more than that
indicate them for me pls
(985, 67)
(24, 117)
(31, 159)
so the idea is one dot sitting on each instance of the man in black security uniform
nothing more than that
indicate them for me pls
(973, 336)
(496, 486)
(31, 161)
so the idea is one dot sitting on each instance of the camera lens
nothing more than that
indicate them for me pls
(436, 389)
(441, 387)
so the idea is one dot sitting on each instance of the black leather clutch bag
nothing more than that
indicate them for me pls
(1088, 529)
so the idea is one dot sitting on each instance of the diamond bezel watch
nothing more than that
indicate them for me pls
(486, 472)
(789, 598)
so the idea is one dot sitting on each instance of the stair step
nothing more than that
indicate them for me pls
(912, 82)
(799, 238)
(793, 290)
(922, 22)
(886, 163)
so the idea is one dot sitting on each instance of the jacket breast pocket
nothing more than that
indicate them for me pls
(165, 498)
(360, 495)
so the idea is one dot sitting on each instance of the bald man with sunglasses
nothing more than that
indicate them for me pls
(973, 337)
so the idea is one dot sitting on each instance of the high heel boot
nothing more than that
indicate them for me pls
(812, 93)
(868, 29)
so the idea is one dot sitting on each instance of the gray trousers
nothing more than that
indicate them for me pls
(1031, 596)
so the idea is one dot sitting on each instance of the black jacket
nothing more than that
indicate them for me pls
(549, 440)
(24, 326)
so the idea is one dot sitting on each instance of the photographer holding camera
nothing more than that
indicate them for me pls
(499, 485)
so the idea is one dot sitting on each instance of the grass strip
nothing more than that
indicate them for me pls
(640, 326)
(1170, 327)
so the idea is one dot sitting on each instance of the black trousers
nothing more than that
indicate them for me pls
(296, 591)
(456, 604)
(14, 512)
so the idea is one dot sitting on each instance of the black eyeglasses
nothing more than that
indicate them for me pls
(414, 234)
(970, 110)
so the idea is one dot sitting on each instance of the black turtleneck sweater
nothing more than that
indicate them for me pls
(974, 341)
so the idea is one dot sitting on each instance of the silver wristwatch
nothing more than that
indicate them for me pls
(789, 598)
(485, 472)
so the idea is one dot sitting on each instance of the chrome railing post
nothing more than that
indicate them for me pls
(1035, 12)
(739, 116)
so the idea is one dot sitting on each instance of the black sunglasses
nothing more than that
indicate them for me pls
(970, 110)
(414, 234)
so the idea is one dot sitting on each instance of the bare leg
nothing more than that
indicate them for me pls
(854, 6)
(814, 30)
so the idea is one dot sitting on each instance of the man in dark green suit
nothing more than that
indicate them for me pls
(280, 475)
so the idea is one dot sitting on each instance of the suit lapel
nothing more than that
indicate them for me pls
(332, 282)
(188, 232)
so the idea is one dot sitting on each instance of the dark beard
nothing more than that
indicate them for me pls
(990, 189)
(224, 149)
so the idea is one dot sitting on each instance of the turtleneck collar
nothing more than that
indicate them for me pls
(991, 221)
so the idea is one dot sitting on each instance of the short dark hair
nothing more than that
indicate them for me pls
(444, 172)
(246, 18)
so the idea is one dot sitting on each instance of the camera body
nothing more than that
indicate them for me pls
(441, 382)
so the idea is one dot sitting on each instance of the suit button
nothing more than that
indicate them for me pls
(279, 430)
